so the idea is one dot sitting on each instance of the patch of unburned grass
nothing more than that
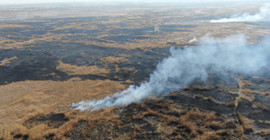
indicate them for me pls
(80, 70)
(7, 60)
(28, 99)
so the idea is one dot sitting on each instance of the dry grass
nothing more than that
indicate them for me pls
(209, 136)
(130, 16)
(41, 97)
(197, 88)
(8, 26)
(193, 123)
(249, 91)
(80, 70)
(23, 100)
(198, 96)
(246, 123)
(112, 59)
(265, 131)
(242, 83)
(7, 60)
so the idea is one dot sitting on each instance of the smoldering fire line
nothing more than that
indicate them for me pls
(212, 55)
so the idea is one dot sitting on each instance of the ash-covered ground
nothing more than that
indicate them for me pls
(54, 57)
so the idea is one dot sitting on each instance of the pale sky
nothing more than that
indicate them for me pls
(126, 1)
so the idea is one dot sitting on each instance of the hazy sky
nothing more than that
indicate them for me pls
(126, 1)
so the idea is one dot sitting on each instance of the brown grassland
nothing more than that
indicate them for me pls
(39, 107)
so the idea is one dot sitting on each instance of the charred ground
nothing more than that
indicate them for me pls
(48, 63)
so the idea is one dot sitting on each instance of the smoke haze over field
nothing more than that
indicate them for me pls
(131, 1)
(262, 15)
(220, 56)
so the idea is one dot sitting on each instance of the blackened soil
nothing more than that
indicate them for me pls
(52, 120)
(79, 130)
(40, 63)
(201, 103)
(146, 121)
(40, 60)
(50, 137)
(184, 115)
(20, 136)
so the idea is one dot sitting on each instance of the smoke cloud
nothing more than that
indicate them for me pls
(262, 15)
(220, 56)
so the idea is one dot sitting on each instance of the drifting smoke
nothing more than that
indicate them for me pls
(219, 56)
(193, 40)
(263, 15)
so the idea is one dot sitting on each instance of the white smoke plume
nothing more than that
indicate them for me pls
(193, 40)
(263, 15)
(220, 56)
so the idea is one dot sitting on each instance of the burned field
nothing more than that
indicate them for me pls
(224, 111)
(42, 63)
(49, 61)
